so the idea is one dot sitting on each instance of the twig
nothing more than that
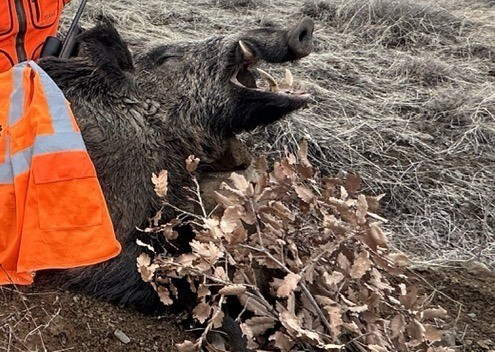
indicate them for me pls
(29, 293)
(258, 228)
(301, 284)
(9, 343)
(434, 288)
(44, 326)
(316, 306)
(28, 311)
(198, 196)
(359, 346)
(258, 297)
(213, 210)
(464, 333)
(182, 211)
(357, 338)
(208, 327)
(269, 255)
(328, 249)
(377, 217)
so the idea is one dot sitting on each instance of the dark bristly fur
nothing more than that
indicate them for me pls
(142, 117)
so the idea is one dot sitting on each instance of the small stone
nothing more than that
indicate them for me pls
(477, 268)
(472, 315)
(121, 336)
(448, 338)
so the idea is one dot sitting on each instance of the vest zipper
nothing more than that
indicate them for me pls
(19, 40)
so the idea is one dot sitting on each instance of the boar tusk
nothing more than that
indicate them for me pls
(271, 81)
(289, 79)
(246, 53)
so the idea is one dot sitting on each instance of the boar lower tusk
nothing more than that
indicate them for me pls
(289, 79)
(271, 81)
(246, 53)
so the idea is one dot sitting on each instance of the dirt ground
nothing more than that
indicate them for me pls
(61, 321)
(468, 296)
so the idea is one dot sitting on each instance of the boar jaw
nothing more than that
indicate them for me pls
(246, 79)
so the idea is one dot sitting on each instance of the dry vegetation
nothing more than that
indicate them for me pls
(404, 95)
(303, 258)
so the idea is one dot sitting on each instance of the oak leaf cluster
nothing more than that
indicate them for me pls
(306, 257)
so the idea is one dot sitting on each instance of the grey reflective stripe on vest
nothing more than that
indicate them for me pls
(43, 144)
(6, 172)
(16, 107)
(64, 138)
(17, 98)
(21, 161)
(58, 142)
(59, 110)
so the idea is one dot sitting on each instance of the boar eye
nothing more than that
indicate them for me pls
(161, 54)
(163, 58)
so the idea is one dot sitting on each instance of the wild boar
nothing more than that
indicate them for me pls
(150, 112)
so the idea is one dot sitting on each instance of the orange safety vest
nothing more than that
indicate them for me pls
(52, 210)
(24, 27)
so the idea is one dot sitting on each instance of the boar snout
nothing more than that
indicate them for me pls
(301, 38)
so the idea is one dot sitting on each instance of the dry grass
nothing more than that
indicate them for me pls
(404, 94)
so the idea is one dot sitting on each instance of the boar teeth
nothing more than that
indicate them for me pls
(246, 53)
(271, 81)
(289, 79)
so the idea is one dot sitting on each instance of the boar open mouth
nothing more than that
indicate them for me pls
(294, 44)
(246, 78)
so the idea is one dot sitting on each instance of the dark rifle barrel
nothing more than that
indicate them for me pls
(70, 38)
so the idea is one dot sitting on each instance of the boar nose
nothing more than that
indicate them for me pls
(301, 38)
